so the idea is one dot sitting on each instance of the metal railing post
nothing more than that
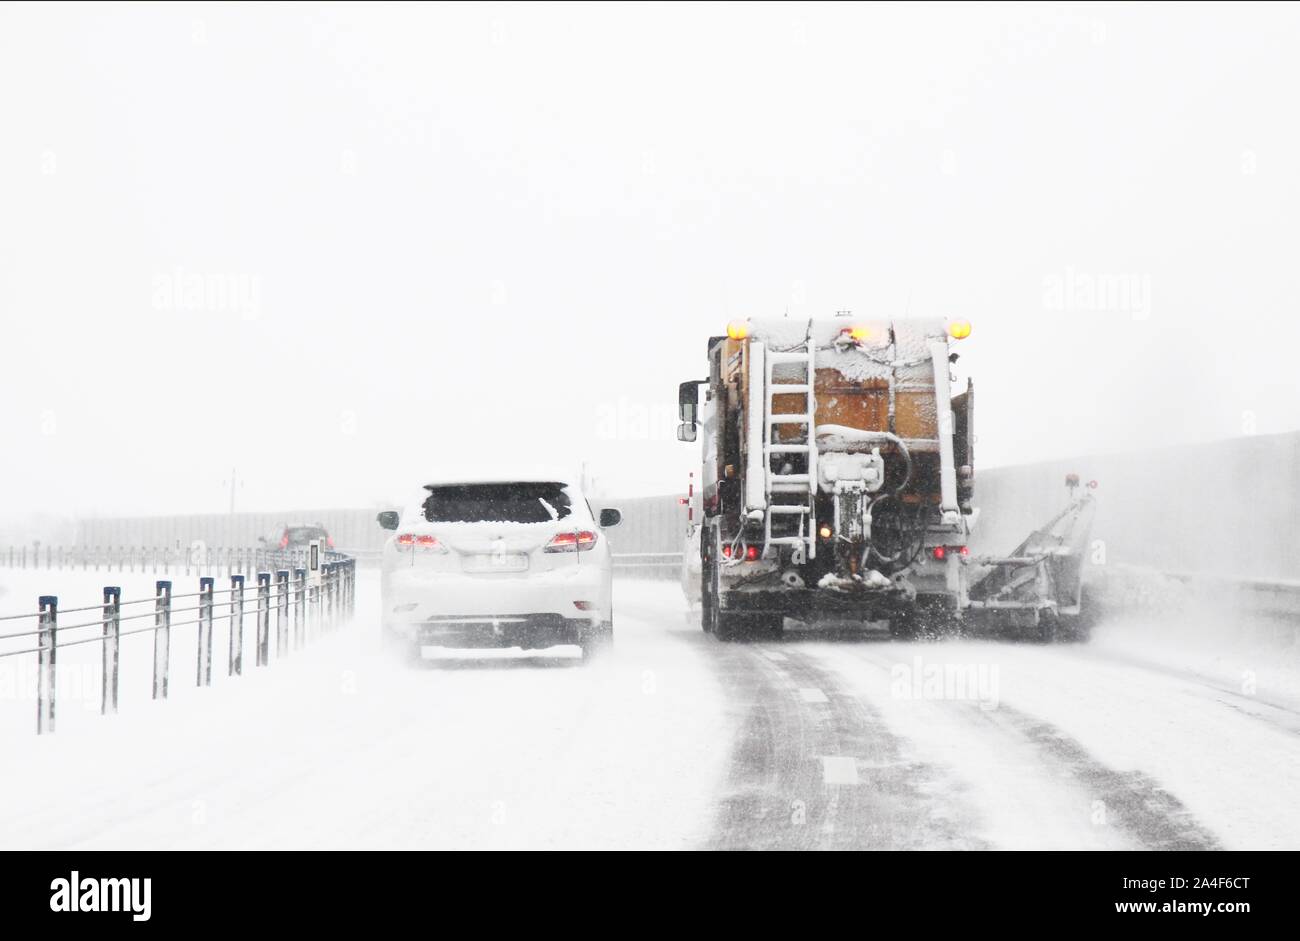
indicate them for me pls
(326, 598)
(282, 612)
(336, 585)
(299, 602)
(236, 662)
(46, 656)
(112, 637)
(204, 674)
(334, 595)
(162, 637)
(263, 618)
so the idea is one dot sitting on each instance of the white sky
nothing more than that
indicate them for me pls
(498, 234)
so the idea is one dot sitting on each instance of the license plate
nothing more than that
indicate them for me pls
(495, 562)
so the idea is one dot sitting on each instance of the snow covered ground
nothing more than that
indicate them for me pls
(1146, 738)
(340, 746)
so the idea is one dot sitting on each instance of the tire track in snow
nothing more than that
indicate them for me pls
(1128, 804)
(1148, 812)
(813, 774)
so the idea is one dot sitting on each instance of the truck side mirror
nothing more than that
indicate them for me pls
(688, 400)
(610, 517)
(387, 519)
(686, 432)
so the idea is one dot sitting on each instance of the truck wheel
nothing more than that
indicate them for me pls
(1048, 623)
(728, 626)
(706, 600)
(903, 627)
(768, 626)
(1078, 627)
(710, 581)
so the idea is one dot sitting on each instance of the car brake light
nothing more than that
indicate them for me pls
(284, 541)
(422, 541)
(939, 552)
(329, 541)
(579, 541)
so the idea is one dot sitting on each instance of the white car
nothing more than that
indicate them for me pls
(519, 562)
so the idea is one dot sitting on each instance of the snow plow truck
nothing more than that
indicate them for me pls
(838, 483)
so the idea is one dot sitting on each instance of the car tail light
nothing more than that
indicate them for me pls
(579, 541)
(329, 541)
(422, 541)
(284, 541)
(939, 552)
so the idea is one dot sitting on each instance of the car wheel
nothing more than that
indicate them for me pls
(597, 642)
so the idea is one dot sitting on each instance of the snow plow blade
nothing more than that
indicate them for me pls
(1043, 575)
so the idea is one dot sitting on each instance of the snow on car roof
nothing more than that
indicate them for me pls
(526, 477)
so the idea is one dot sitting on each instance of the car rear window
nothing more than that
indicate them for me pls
(305, 533)
(497, 503)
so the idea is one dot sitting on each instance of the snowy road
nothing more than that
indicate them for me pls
(839, 739)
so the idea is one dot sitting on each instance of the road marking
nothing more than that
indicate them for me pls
(774, 656)
(812, 695)
(839, 769)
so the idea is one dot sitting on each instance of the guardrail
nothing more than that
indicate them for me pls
(1259, 609)
(309, 596)
(198, 558)
(656, 565)
(215, 560)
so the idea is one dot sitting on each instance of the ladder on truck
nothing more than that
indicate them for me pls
(797, 491)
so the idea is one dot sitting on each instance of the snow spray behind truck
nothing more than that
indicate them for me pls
(838, 481)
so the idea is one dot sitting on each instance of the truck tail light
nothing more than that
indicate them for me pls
(579, 541)
(726, 552)
(751, 553)
(941, 552)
